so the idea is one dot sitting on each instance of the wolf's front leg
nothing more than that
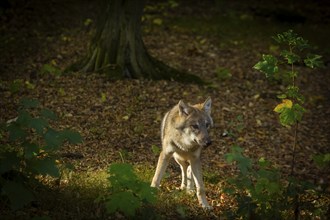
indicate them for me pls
(162, 164)
(198, 177)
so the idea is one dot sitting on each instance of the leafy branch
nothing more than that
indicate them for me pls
(28, 149)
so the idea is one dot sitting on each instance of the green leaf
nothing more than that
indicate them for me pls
(146, 192)
(53, 139)
(268, 65)
(29, 103)
(322, 160)
(155, 150)
(313, 61)
(16, 86)
(39, 124)
(292, 39)
(23, 118)
(124, 202)
(72, 136)
(282, 96)
(50, 69)
(30, 150)
(287, 117)
(46, 166)
(9, 161)
(290, 56)
(16, 132)
(18, 194)
(298, 111)
(46, 113)
(243, 163)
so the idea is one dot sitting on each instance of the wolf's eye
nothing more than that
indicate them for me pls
(195, 126)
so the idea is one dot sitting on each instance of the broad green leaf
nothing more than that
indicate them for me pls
(292, 39)
(53, 139)
(29, 103)
(268, 65)
(39, 124)
(273, 188)
(124, 202)
(290, 56)
(16, 132)
(298, 111)
(46, 113)
(8, 161)
(287, 116)
(46, 166)
(147, 193)
(313, 61)
(244, 164)
(30, 150)
(23, 118)
(261, 184)
(72, 136)
(286, 103)
(18, 194)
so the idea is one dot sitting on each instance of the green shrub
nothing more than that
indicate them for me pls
(127, 192)
(28, 150)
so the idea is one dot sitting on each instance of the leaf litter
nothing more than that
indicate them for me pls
(120, 120)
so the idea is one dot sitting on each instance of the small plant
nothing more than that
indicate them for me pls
(222, 73)
(127, 193)
(291, 108)
(257, 188)
(50, 69)
(262, 193)
(28, 150)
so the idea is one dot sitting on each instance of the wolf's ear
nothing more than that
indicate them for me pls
(184, 109)
(207, 105)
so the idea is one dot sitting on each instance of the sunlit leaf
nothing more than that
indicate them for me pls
(158, 21)
(286, 103)
(313, 61)
(156, 150)
(290, 56)
(268, 65)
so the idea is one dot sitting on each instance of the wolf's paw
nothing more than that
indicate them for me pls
(190, 191)
(207, 207)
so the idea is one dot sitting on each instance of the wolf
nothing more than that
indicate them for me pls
(184, 133)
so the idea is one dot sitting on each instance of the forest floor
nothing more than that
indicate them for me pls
(120, 120)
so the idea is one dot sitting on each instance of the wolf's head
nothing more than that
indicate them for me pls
(195, 120)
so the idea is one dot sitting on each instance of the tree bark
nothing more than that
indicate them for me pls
(118, 50)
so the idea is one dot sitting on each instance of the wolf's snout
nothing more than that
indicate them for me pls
(208, 143)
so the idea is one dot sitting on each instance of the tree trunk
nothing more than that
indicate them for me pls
(117, 48)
